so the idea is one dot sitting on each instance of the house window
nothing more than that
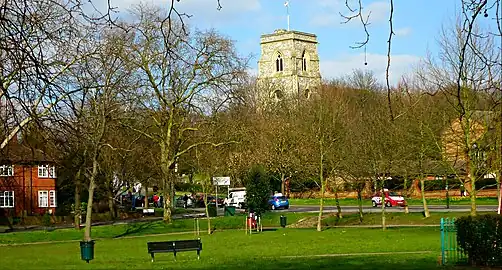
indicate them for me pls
(304, 62)
(6, 199)
(278, 63)
(52, 198)
(43, 198)
(6, 170)
(46, 171)
(46, 198)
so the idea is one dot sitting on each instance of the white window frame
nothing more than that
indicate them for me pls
(52, 198)
(46, 171)
(4, 197)
(43, 198)
(47, 198)
(7, 170)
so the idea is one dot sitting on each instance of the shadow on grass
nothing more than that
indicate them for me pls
(137, 228)
(415, 261)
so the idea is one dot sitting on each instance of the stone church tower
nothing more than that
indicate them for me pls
(289, 65)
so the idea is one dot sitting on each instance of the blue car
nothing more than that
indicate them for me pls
(278, 201)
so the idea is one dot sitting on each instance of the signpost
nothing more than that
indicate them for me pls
(499, 211)
(220, 181)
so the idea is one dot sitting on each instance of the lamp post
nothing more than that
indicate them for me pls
(447, 195)
(499, 211)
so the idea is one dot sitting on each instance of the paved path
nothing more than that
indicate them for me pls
(369, 209)
(357, 254)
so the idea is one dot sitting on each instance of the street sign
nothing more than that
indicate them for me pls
(221, 181)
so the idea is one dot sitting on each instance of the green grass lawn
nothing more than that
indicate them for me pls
(270, 219)
(367, 202)
(142, 228)
(391, 219)
(275, 249)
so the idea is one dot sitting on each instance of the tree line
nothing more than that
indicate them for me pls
(143, 100)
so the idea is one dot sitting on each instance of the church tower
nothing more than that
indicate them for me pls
(288, 66)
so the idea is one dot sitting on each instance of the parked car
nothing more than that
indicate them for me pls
(181, 203)
(212, 200)
(278, 201)
(391, 199)
(199, 200)
(236, 197)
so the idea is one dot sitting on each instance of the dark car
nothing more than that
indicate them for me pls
(199, 201)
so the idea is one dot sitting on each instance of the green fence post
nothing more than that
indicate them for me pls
(442, 242)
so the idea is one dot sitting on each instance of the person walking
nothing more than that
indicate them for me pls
(185, 201)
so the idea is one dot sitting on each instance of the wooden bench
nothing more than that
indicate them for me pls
(174, 247)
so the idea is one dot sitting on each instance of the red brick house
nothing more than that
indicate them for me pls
(27, 181)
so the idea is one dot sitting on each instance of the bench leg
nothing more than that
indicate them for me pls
(174, 255)
(198, 254)
(151, 254)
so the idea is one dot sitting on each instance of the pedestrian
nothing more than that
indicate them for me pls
(156, 200)
(185, 201)
(133, 199)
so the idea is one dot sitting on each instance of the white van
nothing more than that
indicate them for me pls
(236, 197)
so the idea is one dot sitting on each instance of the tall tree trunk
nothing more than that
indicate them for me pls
(78, 212)
(166, 182)
(88, 218)
(405, 193)
(384, 224)
(424, 201)
(173, 192)
(282, 183)
(323, 188)
(111, 203)
(207, 210)
(360, 204)
(470, 184)
(337, 201)
(146, 196)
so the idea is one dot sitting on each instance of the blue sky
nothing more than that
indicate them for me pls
(416, 23)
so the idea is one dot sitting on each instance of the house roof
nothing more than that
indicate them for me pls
(22, 153)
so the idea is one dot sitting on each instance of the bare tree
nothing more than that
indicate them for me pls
(467, 62)
(39, 42)
(184, 75)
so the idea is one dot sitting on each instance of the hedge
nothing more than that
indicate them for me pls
(480, 238)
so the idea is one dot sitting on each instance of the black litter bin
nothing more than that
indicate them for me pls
(87, 250)
(212, 211)
(283, 221)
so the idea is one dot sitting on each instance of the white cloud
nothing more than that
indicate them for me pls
(205, 11)
(402, 32)
(379, 11)
(401, 64)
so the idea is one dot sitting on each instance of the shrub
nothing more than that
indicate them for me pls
(480, 238)
(257, 190)
(46, 219)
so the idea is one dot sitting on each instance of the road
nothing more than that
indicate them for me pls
(412, 208)
(369, 209)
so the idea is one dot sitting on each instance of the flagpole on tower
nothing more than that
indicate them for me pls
(286, 4)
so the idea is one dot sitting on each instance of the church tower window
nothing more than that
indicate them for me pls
(278, 63)
(304, 62)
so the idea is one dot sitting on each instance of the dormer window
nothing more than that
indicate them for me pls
(6, 170)
(46, 171)
(304, 61)
(278, 63)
